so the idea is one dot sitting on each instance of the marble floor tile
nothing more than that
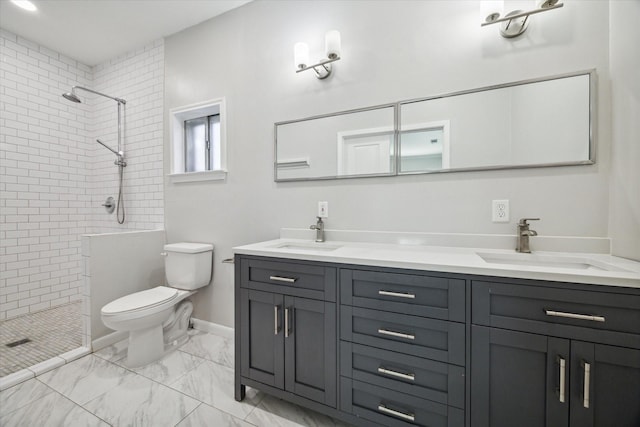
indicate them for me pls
(171, 367)
(52, 410)
(115, 352)
(210, 347)
(206, 416)
(213, 384)
(274, 412)
(192, 388)
(138, 401)
(86, 378)
(22, 394)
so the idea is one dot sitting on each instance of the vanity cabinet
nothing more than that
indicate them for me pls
(554, 356)
(288, 331)
(377, 346)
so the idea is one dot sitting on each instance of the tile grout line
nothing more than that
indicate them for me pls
(189, 414)
(74, 403)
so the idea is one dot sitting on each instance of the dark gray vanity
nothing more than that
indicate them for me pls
(402, 347)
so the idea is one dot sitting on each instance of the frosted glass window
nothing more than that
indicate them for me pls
(202, 144)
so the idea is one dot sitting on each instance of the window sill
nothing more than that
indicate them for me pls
(217, 175)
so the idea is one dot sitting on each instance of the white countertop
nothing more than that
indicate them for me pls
(590, 268)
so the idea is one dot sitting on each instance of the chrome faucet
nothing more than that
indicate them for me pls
(319, 227)
(523, 235)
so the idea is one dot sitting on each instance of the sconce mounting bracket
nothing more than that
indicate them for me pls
(516, 26)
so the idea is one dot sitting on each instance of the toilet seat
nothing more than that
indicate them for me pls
(146, 301)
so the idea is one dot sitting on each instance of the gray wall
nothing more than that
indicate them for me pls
(625, 172)
(391, 50)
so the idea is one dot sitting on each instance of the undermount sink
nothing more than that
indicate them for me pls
(311, 246)
(554, 261)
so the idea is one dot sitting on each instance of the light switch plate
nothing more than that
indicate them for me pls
(323, 209)
(500, 211)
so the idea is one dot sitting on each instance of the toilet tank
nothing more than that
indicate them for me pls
(188, 265)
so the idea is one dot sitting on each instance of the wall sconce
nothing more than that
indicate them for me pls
(323, 67)
(515, 22)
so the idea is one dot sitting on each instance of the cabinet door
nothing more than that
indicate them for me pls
(605, 388)
(310, 349)
(518, 379)
(262, 335)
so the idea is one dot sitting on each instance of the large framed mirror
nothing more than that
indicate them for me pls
(525, 124)
(534, 123)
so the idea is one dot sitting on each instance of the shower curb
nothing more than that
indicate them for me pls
(42, 367)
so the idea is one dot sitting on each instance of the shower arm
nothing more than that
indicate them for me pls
(119, 154)
(118, 100)
(109, 148)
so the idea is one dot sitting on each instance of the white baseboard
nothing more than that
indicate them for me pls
(213, 328)
(107, 340)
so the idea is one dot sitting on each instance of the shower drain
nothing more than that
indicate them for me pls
(19, 342)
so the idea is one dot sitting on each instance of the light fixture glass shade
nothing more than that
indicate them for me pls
(332, 44)
(301, 55)
(490, 10)
(545, 4)
(25, 4)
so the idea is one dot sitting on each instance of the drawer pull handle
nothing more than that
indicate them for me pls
(587, 379)
(396, 334)
(574, 316)
(563, 366)
(384, 409)
(397, 294)
(410, 377)
(283, 279)
(276, 327)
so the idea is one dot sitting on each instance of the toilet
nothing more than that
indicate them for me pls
(157, 319)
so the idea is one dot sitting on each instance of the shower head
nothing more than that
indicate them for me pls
(71, 97)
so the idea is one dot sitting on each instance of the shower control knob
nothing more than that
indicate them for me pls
(109, 205)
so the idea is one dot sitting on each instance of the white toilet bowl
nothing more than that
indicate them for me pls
(145, 314)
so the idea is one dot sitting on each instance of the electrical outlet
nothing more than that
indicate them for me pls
(500, 211)
(323, 209)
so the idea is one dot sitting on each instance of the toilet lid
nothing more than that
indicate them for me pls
(140, 300)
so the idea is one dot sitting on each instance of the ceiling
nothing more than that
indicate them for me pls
(94, 31)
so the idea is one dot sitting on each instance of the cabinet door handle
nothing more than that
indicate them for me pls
(397, 294)
(587, 379)
(563, 378)
(410, 377)
(276, 327)
(396, 334)
(287, 332)
(283, 279)
(590, 317)
(398, 414)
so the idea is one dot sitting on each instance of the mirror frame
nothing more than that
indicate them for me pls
(397, 106)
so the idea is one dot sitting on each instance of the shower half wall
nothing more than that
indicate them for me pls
(54, 176)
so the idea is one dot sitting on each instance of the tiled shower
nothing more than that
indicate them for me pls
(54, 177)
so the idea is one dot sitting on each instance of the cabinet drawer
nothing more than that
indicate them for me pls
(415, 294)
(417, 336)
(426, 379)
(298, 279)
(581, 314)
(390, 408)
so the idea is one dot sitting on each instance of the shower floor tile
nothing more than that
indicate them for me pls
(51, 333)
